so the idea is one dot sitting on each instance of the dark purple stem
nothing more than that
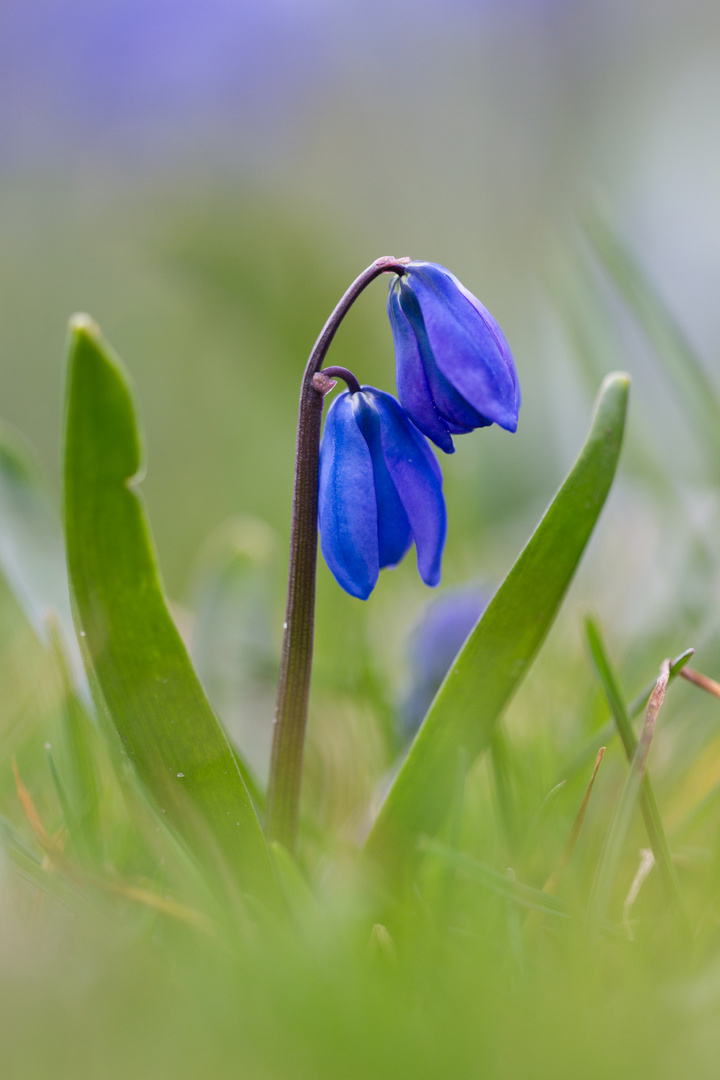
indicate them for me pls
(283, 798)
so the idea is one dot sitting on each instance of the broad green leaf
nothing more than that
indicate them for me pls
(135, 658)
(498, 653)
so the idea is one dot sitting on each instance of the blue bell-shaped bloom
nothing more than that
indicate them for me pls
(380, 490)
(455, 371)
(435, 641)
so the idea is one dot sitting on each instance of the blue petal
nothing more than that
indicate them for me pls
(347, 508)
(418, 480)
(413, 389)
(467, 344)
(497, 334)
(459, 416)
(393, 527)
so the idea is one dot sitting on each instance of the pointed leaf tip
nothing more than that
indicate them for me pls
(616, 384)
(83, 323)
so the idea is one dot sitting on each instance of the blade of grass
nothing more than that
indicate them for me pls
(80, 743)
(609, 730)
(647, 861)
(499, 883)
(501, 648)
(35, 873)
(672, 347)
(452, 832)
(73, 875)
(539, 819)
(572, 286)
(48, 843)
(135, 658)
(648, 802)
(566, 855)
(32, 559)
(612, 848)
(501, 762)
(69, 817)
(698, 679)
(639, 702)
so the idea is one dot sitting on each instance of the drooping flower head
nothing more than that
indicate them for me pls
(455, 371)
(380, 490)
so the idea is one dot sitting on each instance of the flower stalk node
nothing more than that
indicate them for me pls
(342, 373)
(323, 382)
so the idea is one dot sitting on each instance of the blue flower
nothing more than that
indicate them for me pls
(380, 490)
(455, 371)
(435, 642)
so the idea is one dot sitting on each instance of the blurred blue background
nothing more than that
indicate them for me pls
(206, 178)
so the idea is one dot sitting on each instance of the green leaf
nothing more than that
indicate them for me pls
(135, 658)
(498, 653)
